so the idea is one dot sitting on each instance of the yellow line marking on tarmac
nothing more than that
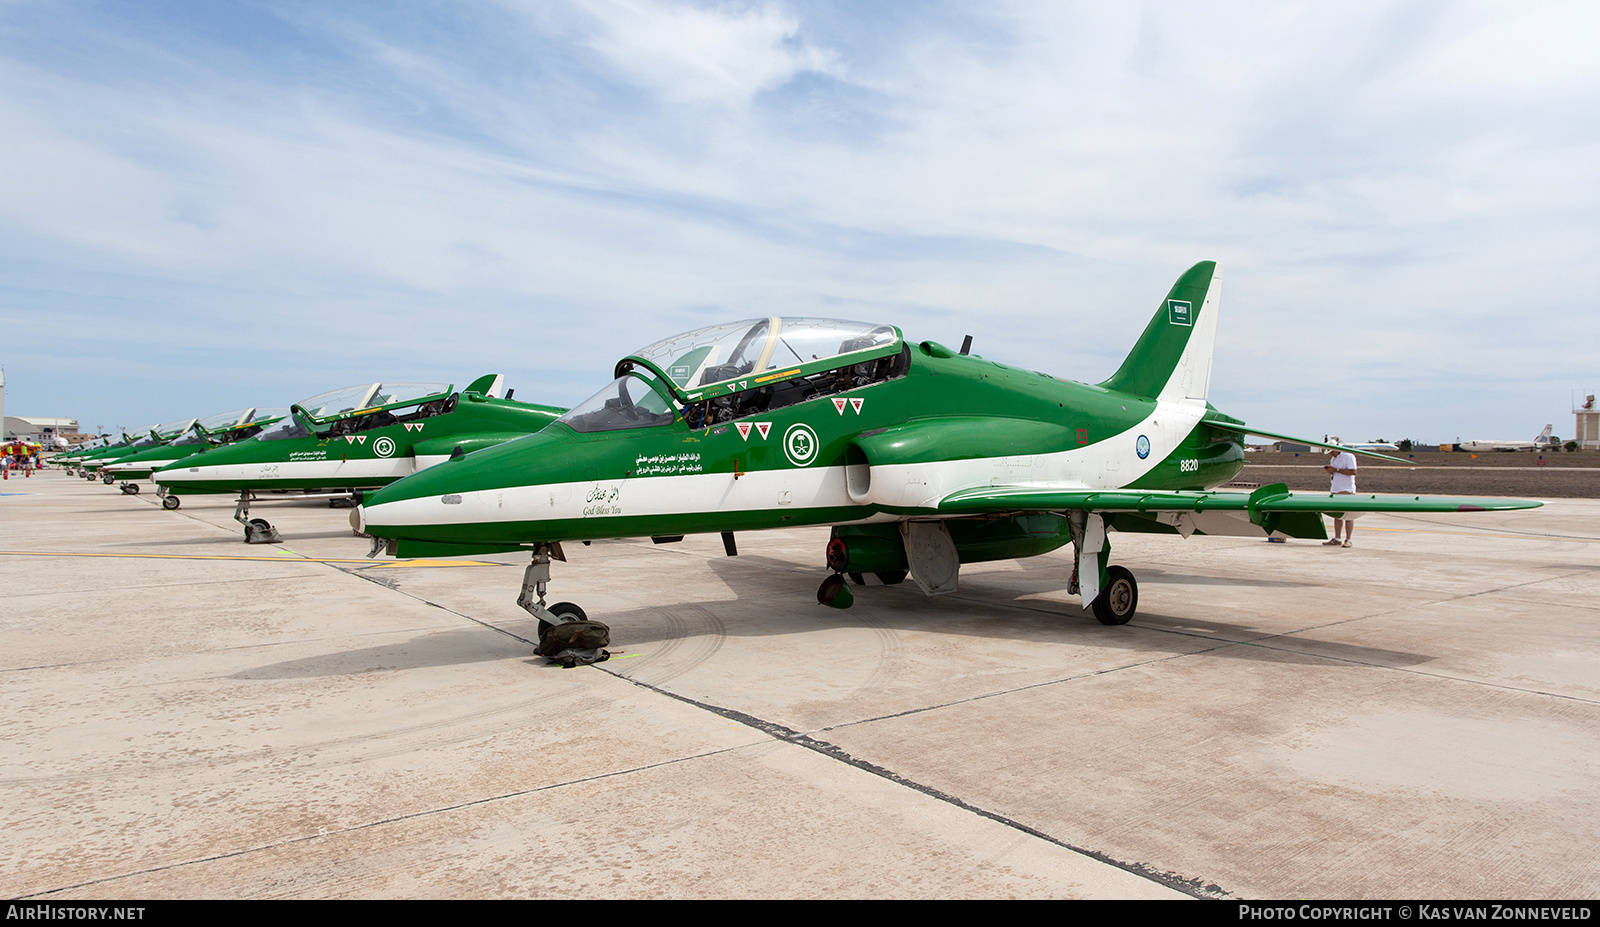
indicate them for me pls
(389, 564)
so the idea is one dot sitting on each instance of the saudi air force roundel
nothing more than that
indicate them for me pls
(800, 444)
(1142, 446)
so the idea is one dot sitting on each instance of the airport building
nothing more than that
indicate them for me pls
(17, 426)
(1587, 430)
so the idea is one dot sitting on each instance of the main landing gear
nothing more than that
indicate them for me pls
(1119, 599)
(1110, 590)
(130, 488)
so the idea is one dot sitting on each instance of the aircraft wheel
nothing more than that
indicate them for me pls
(131, 489)
(259, 531)
(170, 503)
(565, 611)
(1119, 599)
(107, 478)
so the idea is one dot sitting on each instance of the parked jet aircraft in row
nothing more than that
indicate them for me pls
(923, 458)
(1543, 441)
(358, 438)
(153, 437)
(204, 434)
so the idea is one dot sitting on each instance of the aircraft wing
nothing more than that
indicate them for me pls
(986, 499)
(1266, 510)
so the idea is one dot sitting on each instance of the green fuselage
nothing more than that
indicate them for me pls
(882, 451)
(357, 453)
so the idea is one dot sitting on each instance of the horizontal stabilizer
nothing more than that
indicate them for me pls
(1242, 429)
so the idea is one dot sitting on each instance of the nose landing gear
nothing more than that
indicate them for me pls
(256, 530)
(535, 580)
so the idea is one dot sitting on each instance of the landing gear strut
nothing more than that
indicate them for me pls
(535, 580)
(1110, 590)
(256, 530)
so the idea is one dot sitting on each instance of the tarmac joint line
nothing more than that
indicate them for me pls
(1193, 887)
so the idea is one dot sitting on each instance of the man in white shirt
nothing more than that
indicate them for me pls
(1343, 470)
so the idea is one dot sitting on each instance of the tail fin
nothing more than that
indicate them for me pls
(1545, 435)
(489, 385)
(1172, 359)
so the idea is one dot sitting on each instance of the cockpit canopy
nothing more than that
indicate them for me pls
(721, 372)
(339, 402)
(753, 347)
(359, 408)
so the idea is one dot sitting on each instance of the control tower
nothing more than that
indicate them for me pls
(1588, 427)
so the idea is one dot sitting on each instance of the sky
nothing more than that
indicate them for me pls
(210, 205)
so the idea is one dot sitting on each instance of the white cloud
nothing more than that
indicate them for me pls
(723, 54)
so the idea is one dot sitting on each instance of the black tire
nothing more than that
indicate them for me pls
(259, 525)
(892, 577)
(133, 488)
(107, 478)
(1119, 599)
(561, 610)
(170, 503)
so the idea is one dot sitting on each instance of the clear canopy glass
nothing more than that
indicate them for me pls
(223, 419)
(172, 429)
(353, 398)
(263, 415)
(284, 429)
(631, 401)
(718, 353)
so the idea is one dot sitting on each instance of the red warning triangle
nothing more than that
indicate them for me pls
(839, 404)
(744, 429)
(856, 404)
(764, 428)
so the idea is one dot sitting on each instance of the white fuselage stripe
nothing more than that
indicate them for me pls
(1108, 464)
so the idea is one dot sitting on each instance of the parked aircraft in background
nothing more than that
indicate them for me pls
(71, 460)
(358, 438)
(204, 434)
(154, 437)
(923, 458)
(1543, 441)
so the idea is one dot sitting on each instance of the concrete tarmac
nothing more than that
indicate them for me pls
(188, 716)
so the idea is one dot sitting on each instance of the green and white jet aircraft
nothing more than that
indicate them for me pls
(68, 460)
(204, 434)
(156, 436)
(923, 458)
(93, 450)
(354, 439)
